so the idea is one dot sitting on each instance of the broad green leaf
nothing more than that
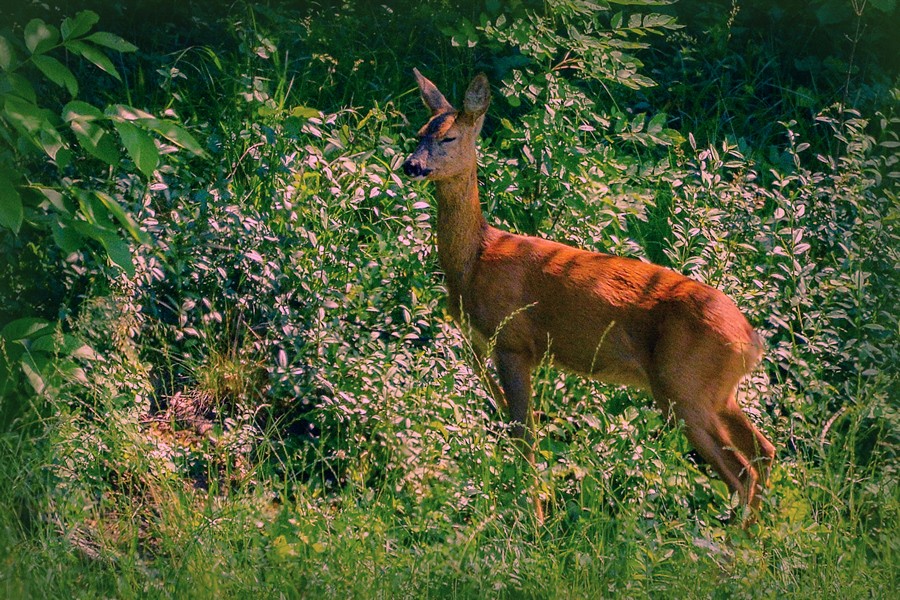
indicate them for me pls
(34, 124)
(94, 55)
(123, 217)
(40, 37)
(13, 83)
(7, 54)
(65, 236)
(117, 249)
(56, 72)
(128, 113)
(63, 345)
(51, 142)
(71, 371)
(82, 111)
(96, 214)
(33, 374)
(175, 134)
(616, 21)
(119, 252)
(11, 214)
(660, 20)
(26, 328)
(140, 147)
(25, 115)
(96, 140)
(90, 229)
(111, 40)
(79, 25)
(64, 157)
(47, 343)
(656, 123)
(832, 12)
(56, 199)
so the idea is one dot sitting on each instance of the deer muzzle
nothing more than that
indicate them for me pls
(415, 168)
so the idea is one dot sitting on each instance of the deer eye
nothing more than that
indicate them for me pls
(447, 140)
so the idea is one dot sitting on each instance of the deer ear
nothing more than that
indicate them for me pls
(431, 96)
(478, 96)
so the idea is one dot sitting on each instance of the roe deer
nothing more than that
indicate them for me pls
(616, 319)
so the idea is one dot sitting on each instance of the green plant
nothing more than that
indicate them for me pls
(49, 175)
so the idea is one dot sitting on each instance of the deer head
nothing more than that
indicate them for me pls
(447, 141)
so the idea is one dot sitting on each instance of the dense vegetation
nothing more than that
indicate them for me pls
(225, 362)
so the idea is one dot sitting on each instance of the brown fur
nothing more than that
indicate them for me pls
(611, 318)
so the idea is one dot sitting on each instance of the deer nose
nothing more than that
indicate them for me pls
(414, 168)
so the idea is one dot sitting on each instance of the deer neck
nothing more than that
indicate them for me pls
(460, 229)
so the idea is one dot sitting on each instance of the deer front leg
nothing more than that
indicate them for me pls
(514, 370)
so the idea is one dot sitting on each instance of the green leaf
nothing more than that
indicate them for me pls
(65, 236)
(33, 374)
(616, 21)
(304, 112)
(7, 54)
(11, 214)
(17, 85)
(96, 140)
(81, 117)
(128, 113)
(175, 134)
(833, 11)
(90, 229)
(140, 147)
(34, 124)
(64, 157)
(94, 55)
(95, 214)
(98, 228)
(40, 37)
(56, 72)
(27, 328)
(51, 142)
(56, 199)
(119, 252)
(79, 25)
(656, 123)
(110, 40)
(25, 115)
(123, 217)
(64, 344)
(76, 109)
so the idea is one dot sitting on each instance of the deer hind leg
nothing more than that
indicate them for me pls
(719, 431)
(696, 377)
(514, 370)
(751, 442)
(710, 436)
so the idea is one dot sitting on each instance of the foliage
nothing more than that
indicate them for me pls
(49, 180)
(229, 371)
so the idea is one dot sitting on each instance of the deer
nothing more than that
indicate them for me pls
(616, 319)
